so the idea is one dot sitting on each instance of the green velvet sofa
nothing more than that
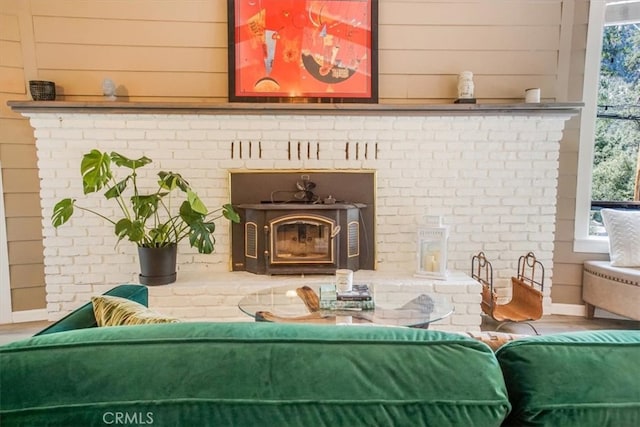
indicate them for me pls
(268, 374)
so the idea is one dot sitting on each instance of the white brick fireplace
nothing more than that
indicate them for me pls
(489, 171)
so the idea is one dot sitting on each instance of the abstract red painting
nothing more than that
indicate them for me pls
(303, 51)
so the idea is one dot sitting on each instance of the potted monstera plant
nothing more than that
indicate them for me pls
(150, 219)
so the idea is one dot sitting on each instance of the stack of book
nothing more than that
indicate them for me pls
(359, 298)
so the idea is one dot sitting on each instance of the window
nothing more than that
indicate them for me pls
(610, 128)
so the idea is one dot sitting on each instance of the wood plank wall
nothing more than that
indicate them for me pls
(567, 270)
(19, 163)
(176, 50)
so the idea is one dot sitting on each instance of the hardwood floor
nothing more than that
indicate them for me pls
(553, 324)
(16, 331)
(547, 325)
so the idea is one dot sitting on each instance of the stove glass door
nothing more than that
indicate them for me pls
(302, 239)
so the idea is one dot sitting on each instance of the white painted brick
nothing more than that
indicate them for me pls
(467, 319)
(502, 135)
(42, 123)
(141, 124)
(90, 277)
(377, 125)
(300, 125)
(446, 288)
(205, 123)
(474, 136)
(475, 309)
(64, 134)
(533, 136)
(191, 135)
(60, 297)
(174, 301)
(474, 288)
(404, 123)
(446, 136)
(160, 135)
(185, 313)
(436, 125)
(554, 136)
(53, 310)
(100, 123)
(523, 125)
(165, 123)
(425, 164)
(130, 134)
(207, 300)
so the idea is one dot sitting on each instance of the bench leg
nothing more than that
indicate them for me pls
(590, 310)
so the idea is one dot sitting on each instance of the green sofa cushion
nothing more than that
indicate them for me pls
(574, 379)
(247, 374)
(84, 317)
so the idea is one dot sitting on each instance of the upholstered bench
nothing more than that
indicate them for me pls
(615, 289)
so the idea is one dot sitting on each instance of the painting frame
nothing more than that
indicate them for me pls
(306, 51)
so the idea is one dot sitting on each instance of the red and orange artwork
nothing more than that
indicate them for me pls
(303, 49)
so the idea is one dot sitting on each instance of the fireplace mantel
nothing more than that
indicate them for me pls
(102, 107)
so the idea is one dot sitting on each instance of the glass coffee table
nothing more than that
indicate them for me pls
(395, 305)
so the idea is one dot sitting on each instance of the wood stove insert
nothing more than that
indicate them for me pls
(303, 222)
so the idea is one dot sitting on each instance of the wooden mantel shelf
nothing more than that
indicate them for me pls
(116, 107)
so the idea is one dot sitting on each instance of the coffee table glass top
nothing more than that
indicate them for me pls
(395, 305)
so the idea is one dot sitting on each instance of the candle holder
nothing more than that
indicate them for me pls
(432, 249)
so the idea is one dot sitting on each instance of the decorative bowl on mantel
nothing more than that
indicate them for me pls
(42, 90)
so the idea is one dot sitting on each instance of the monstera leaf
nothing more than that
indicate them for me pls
(133, 230)
(171, 180)
(95, 168)
(160, 236)
(62, 211)
(122, 161)
(118, 189)
(229, 213)
(195, 202)
(201, 236)
(145, 206)
(200, 232)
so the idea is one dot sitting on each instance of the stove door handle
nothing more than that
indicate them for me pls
(266, 239)
(336, 231)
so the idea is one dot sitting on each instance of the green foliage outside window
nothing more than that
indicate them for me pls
(616, 160)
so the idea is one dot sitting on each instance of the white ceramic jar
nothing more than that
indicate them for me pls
(465, 85)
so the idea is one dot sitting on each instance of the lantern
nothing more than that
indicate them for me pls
(432, 249)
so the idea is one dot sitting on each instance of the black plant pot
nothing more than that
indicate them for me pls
(158, 265)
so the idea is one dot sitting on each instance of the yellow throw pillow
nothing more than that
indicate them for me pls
(116, 311)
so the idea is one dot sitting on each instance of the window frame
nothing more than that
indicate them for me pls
(583, 242)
